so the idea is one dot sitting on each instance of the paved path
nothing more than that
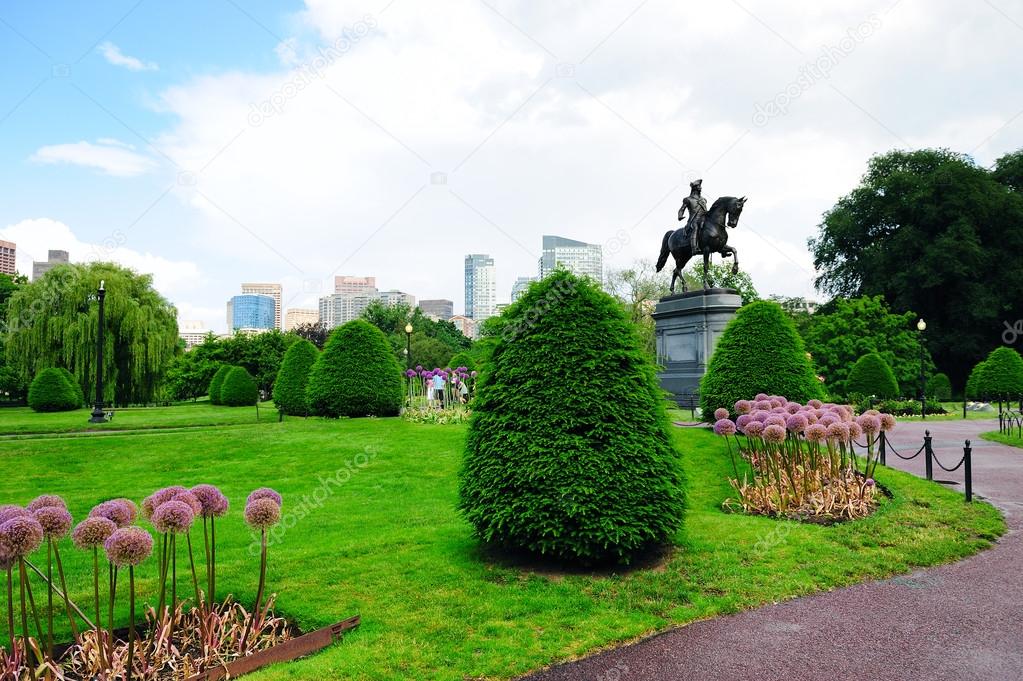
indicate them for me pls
(956, 622)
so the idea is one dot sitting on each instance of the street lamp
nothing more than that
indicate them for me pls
(98, 415)
(408, 345)
(921, 326)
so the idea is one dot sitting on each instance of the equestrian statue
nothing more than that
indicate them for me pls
(704, 233)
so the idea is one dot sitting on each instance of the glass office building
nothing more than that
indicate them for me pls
(256, 312)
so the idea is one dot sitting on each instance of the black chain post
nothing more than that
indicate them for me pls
(883, 448)
(928, 455)
(968, 471)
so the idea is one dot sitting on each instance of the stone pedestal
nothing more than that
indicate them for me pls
(688, 326)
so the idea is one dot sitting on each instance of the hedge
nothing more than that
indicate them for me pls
(567, 454)
(1001, 377)
(759, 351)
(462, 359)
(939, 387)
(217, 382)
(51, 391)
(871, 375)
(357, 374)
(239, 389)
(972, 381)
(75, 385)
(293, 378)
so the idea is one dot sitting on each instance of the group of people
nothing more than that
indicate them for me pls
(438, 395)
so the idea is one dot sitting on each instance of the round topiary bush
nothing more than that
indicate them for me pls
(357, 374)
(239, 389)
(759, 351)
(871, 375)
(293, 378)
(971, 382)
(463, 359)
(1001, 377)
(217, 383)
(75, 385)
(567, 454)
(50, 391)
(939, 387)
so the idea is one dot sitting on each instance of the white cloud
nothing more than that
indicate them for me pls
(112, 53)
(110, 156)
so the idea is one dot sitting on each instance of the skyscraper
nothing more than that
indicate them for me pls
(480, 287)
(8, 249)
(579, 258)
(354, 285)
(341, 308)
(53, 258)
(252, 312)
(272, 290)
(520, 286)
(439, 308)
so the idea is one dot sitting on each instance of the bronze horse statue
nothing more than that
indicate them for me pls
(713, 238)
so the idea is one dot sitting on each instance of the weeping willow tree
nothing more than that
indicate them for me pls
(54, 322)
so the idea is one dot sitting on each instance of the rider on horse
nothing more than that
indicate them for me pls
(697, 206)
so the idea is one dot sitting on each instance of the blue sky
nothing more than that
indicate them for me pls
(223, 141)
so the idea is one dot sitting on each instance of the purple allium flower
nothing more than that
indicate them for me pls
(754, 429)
(869, 482)
(173, 516)
(869, 423)
(262, 513)
(872, 412)
(819, 413)
(775, 402)
(828, 419)
(774, 433)
(214, 503)
(724, 427)
(775, 420)
(793, 407)
(779, 410)
(55, 521)
(811, 418)
(762, 405)
(265, 493)
(854, 430)
(188, 499)
(21, 536)
(160, 496)
(887, 422)
(816, 432)
(92, 532)
(720, 413)
(10, 511)
(816, 404)
(743, 407)
(742, 421)
(419, 367)
(128, 546)
(796, 423)
(410, 373)
(474, 374)
(761, 415)
(44, 501)
(116, 511)
(838, 431)
(760, 397)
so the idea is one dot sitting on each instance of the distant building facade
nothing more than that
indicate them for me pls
(438, 308)
(8, 251)
(252, 312)
(354, 285)
(296, 317)
(341, 308)
(520, 286)
(272, 290)
(53, 258)
(393, 297)
(480, 287)
(468, 327)
(576, 256)
(193, 333)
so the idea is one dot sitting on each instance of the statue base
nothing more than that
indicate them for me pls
(687, 327)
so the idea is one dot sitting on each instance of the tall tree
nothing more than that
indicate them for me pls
(934, 233)
(54, 322)
(12, 385)
(638, 288)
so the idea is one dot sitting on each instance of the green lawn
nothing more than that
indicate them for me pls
(995, 436)
(23, 420)
(388, 544)
(955, 413)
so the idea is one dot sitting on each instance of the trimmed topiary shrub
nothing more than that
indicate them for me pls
(462, 359)
(971, 382)
(293, 378)
(759, 351)
(1001, 377)
(50, 391)
(567, 454)
(217, 382)
(357, 374)
(871, 375)
(939, 387)
(75, 385)
(239, 389)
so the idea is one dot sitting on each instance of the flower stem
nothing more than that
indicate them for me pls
(63, 586)
(10, 604)
(22, 579)
(49, 596)
(131, 621)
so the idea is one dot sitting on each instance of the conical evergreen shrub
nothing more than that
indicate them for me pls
(939, 387)
(293, 378)
(239, 389)
(75, 385)
(871, 375)
(759, 351)
(217, 382)
(357, 374)
(568, 454)
(51, 391)
(1001, 377)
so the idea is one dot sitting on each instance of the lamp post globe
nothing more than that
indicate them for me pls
(408, 345)
(921, 326)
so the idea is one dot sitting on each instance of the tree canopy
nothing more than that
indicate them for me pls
(433, 341)
(55, 322)
(935, 233)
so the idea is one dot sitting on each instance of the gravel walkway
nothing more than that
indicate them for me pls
(956, 622)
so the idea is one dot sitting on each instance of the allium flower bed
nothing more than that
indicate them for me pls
(422, 405)
(186, 632)
(799, 461)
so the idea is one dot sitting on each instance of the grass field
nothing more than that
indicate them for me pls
(22, 420)
(1004, 439)
(372, 529)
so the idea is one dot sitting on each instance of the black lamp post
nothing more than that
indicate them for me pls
(921, 326)
(408, 345)
(98, 415)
